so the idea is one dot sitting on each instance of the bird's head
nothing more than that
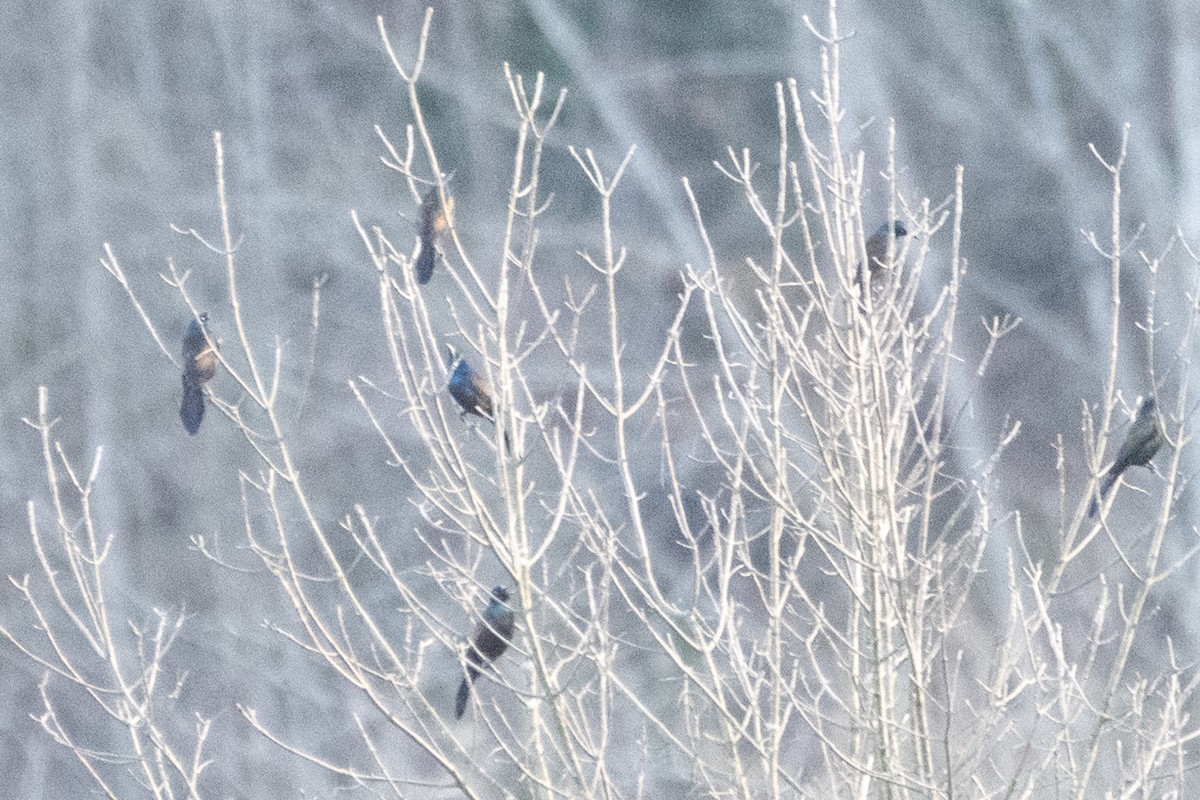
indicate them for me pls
(500, 593)
(198, 325)
(895, 228)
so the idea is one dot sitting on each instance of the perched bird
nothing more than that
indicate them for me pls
(1141, 443)
(877, 248)
(199, 366)
(434, 220)
(491, 639)
(471, 390)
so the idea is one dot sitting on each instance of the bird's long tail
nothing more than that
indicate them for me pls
(425, 261)
(1106, 483)
(191, 407)
(464, 692)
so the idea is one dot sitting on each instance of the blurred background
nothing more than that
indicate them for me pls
(109, 112)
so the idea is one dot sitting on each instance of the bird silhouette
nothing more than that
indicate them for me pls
(199, 366)
(491, 639)
(1141, 443)
(434, 220)
(877, 248)
(472, 390)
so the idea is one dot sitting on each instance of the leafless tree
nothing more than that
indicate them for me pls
(745, 565)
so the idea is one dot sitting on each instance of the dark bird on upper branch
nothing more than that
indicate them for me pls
(199, 366)
(491, 639)
(877, 248)
(1141, 443)
(434, 220)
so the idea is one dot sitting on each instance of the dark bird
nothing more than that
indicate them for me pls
(434, 220)
(472, 391)
(491, 639)
(877, 248)
(199, 366)
(470, 388)
(1141, 443)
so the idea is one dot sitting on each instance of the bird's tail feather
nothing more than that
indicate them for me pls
(191, 407)
(460, 702)
(464, 692)
(425, 262)
(1106, 483)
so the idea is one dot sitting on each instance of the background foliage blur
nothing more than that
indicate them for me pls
(109, 110)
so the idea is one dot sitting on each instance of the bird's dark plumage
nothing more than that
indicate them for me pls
(491, 639)
(1141, 443)
(470, 388)
(434, 220)
(877, 247)
(199, 366)
(472, 392)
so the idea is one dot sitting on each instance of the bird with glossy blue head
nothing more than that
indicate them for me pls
(1141, 443)
(877, 249)
(435, 218)
(492, 637)
(471, 390)
(199, 367)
